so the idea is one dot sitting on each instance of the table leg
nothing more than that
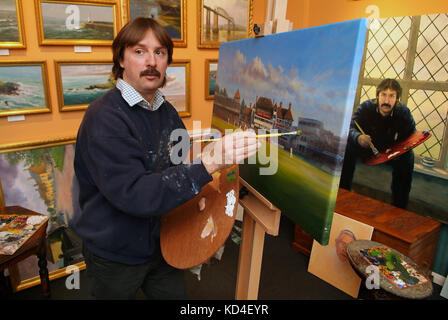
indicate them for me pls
(43, 271)
(249, 264)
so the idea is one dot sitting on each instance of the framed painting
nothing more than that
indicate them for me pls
(306, 95)
(211, 66)
(76, 22)
(177, 87)
(23, 88)
(172, 15)
(12, 35)
(80, 83)
(222, 20)
(40, 176)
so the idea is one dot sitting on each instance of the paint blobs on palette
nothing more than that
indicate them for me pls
(231, 200)
(231, 176)
(209, 229)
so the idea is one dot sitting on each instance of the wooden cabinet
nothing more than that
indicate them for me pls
(411, 234)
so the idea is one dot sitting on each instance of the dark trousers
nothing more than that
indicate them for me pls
(113, 280)
(402, 170)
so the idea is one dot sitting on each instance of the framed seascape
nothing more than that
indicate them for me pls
(39, 176)
(223, 20)
(23, 88)
(177, 87)
(171, 14)
(301, 82)
(76, 22)
(211, 66)
(12, 34)
(80, 83)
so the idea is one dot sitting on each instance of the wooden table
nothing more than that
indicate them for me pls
(411, 234)
(36, 244)
(360, 265)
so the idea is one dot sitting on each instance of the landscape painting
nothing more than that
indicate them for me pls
(79, 84)
(177, 87)
(42, 180)
(222, 21)
(71, 22)
(23, 88)
(168, 13)
(211, 67)
(302, 83)
(11, 28)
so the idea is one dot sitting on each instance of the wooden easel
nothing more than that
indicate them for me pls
(259, 217)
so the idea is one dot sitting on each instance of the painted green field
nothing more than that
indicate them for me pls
(302, 191)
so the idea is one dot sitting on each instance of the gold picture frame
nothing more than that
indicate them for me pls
(25, 274)
(210, 34)
(71, 22)
(12, 17)
(172, 18)
(211, 69)
(33, 75)
(81, 82)
(177, 87)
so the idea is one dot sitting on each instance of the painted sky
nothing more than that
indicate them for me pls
(310, 68)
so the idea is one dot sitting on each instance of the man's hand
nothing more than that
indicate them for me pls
(364, 140)
(230, 150)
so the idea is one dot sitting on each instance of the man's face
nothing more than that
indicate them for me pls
(341, 246)
(145, 65)
(386, 101)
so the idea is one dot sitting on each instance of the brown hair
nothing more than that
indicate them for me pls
(391, 84)
(131, 34)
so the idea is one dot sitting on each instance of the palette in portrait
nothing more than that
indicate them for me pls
(301, 82)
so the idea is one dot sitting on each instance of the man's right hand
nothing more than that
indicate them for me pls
(231, 149)
(364, 140)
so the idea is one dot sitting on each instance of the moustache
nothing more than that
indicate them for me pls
(150, 72)
(386, 105)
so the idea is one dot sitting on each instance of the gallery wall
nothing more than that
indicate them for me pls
(37, 128)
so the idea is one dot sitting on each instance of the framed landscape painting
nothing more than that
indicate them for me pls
(211, 66)
(305, 94)
(76, 22)
(40, 176)
(223, 20)
(12, 33)
(177, 88)
(171, 14)
(80, 83)
(23, 88)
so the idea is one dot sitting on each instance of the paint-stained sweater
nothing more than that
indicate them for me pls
(126, 179)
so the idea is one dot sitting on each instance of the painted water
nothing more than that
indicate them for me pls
(8, 26)
(83, 91)
(30, 91)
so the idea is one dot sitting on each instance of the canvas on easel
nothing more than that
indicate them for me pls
(303, 82)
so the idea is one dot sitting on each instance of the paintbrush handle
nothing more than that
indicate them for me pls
(375, 150)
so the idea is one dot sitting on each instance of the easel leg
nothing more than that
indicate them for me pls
(250, 257)
(43, 271)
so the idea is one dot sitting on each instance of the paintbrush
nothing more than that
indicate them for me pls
(374, 150)
(298, 132)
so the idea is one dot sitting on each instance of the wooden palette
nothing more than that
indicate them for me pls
(188, 236)
(399, 148)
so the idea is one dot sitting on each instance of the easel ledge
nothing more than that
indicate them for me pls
(260, 216)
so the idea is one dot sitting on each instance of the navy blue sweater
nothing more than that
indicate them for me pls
(126, 179)
(384, 131)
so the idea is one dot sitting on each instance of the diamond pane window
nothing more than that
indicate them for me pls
(387, 48)
(431, 58)
(430, 109)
